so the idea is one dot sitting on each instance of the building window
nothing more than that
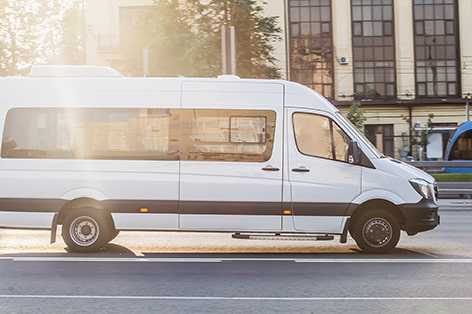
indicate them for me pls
(311, 45)
(436, 53)
(382, 136)
(373, 48)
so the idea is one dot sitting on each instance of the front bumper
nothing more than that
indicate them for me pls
(420, 217)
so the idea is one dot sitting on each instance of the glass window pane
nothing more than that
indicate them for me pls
(227, 135)
(115, 133)
(296, 30)
(387, 13)
(377, 28)
(295, 14)
(449, 27)
(429, 27)
(428, 11)
(325, 14)
(305, 28)
(326, 28)
(449, 12)
(419, 28)
(419, 12)
(452, 89)
(304, 15)
(315, 29)
(387, 29)
(439, 12)
(340, 143)
(368, 29)
(421, 89)
(442, 88)
(366, 13)
(439, 28)
(315, 14)
(312, 135)
(451, 52)
(377, 12)
(356, 13)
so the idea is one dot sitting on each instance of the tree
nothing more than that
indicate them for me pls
(71, 47)
(30, 33)
(184, 38)
(357, 116)
(421, 138)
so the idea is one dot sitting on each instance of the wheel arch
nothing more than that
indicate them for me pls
(81, 203)
(377, 204)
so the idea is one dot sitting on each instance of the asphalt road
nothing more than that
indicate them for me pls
(213, 273)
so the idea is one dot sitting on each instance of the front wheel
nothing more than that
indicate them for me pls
(85, 230)
(376, 231)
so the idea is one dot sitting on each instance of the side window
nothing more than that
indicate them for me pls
(227, 135)
(79, 133)
(462, 149)
(319, 136)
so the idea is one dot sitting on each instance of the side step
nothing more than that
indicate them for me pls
(293, 237)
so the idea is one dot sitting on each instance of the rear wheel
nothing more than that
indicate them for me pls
(376, 231)
(85, 230)
(113, 234)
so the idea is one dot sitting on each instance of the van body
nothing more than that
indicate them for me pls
(99, 153)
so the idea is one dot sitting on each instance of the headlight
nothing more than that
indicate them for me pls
(424, 188)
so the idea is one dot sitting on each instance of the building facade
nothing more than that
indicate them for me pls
(402, 60)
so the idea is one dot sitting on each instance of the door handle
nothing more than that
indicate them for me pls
(270, 168)
(301, 169)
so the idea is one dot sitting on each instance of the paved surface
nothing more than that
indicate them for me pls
(452, 235)
(159, 272)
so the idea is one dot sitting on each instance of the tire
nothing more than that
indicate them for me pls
(86, 230)
(113, 234)
(376, 232)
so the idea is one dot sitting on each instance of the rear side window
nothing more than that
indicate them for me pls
(319, 136)
(139, 134)
(227, 135)
(115, 133)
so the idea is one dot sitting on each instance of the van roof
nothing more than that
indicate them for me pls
(73, 71)
(101, 85)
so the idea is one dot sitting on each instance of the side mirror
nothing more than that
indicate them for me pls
(353, 153)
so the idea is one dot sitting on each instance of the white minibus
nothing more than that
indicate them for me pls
(98, 153)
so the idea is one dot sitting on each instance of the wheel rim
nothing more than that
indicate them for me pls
(377, 232)
(84, 231)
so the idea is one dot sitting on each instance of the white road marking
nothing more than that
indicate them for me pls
(232, 259)
(236, 298)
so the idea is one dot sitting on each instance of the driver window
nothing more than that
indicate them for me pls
(319, 136)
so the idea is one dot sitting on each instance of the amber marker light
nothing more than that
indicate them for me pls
(144, 210)
(287, 212)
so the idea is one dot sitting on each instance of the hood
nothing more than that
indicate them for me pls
(401, 169)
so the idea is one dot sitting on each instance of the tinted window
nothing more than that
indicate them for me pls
(227, 135)
(139, 134)
(319, 136)
(91, 133)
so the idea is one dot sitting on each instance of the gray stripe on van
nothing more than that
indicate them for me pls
(186, 207)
